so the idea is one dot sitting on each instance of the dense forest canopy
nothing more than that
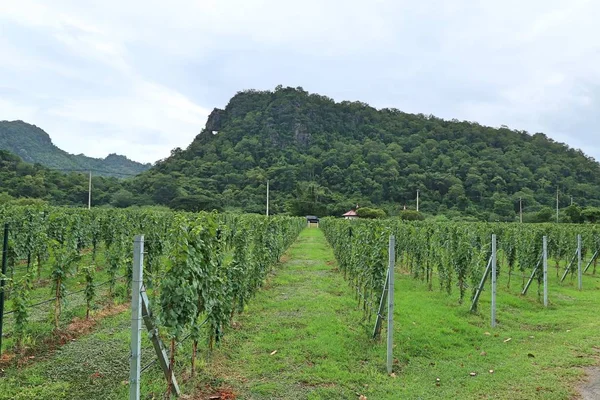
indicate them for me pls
(25, 181)
(323, 157)
(34, 145)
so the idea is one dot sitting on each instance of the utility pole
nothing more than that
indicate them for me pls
(90, 193)
(267, 197)
(557, 204)
(521, 209)
(417, 201)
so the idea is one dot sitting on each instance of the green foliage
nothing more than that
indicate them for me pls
(65, 255)
(456, 252)
(591, 214)
(370, 213)
(546, 214)
(37, 186)
(21, 301)
(411, 215)
(573, 212)
(90, 288)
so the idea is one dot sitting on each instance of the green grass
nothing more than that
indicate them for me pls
(307, 314)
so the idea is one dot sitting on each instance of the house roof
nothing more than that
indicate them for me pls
(350, 213)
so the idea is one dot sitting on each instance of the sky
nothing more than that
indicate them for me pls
(139, 78)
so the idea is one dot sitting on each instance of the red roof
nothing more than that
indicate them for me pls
(350, 213)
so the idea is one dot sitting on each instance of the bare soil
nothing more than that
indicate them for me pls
(590, 389)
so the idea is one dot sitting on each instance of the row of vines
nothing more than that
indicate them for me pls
(199, 269)
(453, 255)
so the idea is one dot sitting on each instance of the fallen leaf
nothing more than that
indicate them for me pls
(362, 397)
(507, 340)
(393, 375)
(487, 333)
(483, 353)
(473, 374)
(273, 353)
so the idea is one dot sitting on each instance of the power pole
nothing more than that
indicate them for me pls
(90, 193)
(521, 209)
(417, 201)
(557, 204)
(267, 197)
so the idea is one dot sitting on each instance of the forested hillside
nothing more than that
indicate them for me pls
(322, 157)
(34, 145)
(21, 180)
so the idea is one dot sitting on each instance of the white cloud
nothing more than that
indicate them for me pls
(140, 77)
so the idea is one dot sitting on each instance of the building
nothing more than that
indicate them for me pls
(311, 219)
(350, 215)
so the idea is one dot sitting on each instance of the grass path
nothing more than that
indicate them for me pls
(309, 316)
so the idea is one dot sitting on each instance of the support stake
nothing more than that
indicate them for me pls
(570, 266)
(481, 285)
(159, 347)
(591, 261)
(381, 310)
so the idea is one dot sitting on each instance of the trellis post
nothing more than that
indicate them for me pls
(579, 269)
(494, 260)
(390, 327)
(4, 262)
(545, 267)
(136, 317)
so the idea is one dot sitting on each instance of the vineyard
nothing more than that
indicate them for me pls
(202, 275)
(200, 269)
(452, 257)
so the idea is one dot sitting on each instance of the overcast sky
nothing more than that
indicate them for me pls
(139, 77)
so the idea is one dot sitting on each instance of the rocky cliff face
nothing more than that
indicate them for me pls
(215, 120)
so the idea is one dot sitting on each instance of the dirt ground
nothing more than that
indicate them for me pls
(590, 389)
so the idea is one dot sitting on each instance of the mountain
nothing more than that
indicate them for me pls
(323, 157)
(34, 145)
